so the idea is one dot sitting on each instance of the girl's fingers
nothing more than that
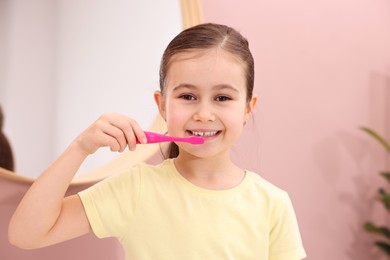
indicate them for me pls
(134, 134)
(113, 138)
(111, 130)
(126, 131)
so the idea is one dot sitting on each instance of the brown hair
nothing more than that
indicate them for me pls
(208, 36)
(6, 157)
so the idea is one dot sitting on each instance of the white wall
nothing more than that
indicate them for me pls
(28, 76)
(69, 61)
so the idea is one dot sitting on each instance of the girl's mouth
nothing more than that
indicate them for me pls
(204, 133)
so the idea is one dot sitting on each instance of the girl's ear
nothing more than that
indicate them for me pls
(159, 99)
(249, 107)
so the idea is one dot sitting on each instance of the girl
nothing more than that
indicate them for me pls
(197, 204)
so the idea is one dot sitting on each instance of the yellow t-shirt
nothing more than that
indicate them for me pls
(157, 214)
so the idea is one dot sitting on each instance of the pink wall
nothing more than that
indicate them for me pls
(323, 69)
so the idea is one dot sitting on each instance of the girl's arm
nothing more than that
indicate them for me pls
(45, 216)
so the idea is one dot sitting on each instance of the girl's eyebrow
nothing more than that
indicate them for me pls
(184, 86)
(216, 87)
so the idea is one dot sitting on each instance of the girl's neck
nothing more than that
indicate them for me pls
(217, 173)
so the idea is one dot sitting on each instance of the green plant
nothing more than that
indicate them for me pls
(384, 198)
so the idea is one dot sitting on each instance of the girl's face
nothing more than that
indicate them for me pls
(205, 95)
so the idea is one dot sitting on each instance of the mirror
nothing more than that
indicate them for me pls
(63, 63)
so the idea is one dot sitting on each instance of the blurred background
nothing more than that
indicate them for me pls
(322, 71)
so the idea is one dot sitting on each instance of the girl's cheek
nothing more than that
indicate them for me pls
(175, 114)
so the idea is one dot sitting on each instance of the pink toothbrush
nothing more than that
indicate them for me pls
(159, 138)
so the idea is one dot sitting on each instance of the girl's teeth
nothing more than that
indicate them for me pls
(204, 133)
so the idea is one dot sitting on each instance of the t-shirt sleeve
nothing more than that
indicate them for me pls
(285, 239)
(110, 204)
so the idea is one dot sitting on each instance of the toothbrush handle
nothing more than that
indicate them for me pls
(159, 138)
(155, 138)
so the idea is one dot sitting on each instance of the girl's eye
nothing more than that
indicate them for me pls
(187, 97)
(222, 98)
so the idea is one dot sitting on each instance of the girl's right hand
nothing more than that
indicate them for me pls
(110, 130)
(44, 214)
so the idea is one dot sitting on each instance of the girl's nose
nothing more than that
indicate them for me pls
(204, 113)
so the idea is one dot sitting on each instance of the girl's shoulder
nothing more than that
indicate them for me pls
(264, 186)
